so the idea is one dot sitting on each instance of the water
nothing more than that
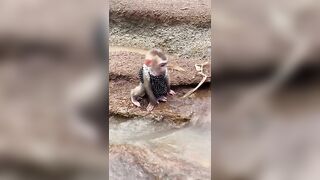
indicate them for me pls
(146, 149)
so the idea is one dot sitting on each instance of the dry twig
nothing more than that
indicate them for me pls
(199, 68)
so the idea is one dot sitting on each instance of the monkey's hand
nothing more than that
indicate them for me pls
(151, 106)
(171, 92)
(162, 99)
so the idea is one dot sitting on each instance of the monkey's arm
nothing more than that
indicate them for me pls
(171, 92)
(167, 80)
(148, 90)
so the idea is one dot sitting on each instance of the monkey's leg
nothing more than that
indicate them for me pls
(137, 92)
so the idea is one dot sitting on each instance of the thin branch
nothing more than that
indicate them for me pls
(199, 68)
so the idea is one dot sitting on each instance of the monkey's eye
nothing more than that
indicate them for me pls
(163, 64)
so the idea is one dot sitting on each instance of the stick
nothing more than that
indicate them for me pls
(200, 71)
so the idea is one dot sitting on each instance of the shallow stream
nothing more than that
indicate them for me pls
(146, 149)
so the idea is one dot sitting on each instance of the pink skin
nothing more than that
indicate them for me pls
(156, 67)
(150, 107)
(135, 102)
(162, 99)
(172, 93)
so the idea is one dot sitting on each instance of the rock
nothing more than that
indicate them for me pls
(125, 65)
(147, 164)
(123, 74)
(176, 111)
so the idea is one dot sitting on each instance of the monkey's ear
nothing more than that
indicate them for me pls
(148, 62)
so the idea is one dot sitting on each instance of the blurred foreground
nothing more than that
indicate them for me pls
(51, 78)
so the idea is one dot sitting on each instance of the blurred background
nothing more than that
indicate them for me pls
(52, 77)
(265, 98)
(266, 90)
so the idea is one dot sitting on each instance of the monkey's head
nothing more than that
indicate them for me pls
(157, 61)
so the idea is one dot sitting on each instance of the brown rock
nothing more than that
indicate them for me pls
(169, 12)
(125, 66)
(164, 111)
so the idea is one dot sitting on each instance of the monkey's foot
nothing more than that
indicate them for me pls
(150, 107)
(135, 102)
(162, 99)
(172, 92)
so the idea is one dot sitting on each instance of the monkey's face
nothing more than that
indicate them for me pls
(160, 66)
(163, 66)
(157, 64)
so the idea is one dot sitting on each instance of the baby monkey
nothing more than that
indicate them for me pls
(154, 80)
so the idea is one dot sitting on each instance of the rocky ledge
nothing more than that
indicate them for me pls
(123, 69)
